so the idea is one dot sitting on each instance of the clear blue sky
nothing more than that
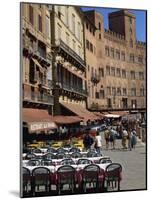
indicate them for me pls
(140, 20)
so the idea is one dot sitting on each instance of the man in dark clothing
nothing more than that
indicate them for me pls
(88, 141)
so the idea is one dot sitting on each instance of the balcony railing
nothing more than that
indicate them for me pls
(70, 88)
(43, 98)
(72, 53)
(115, 108)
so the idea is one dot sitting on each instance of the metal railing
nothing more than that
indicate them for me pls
(72, 53)
(72, 88)
(42, 98)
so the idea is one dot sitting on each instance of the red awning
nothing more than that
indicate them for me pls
(66, 119)
(80, 111)
(37, 119)
(100, 115)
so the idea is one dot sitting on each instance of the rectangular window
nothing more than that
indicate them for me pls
(112, 53)
(124, 91)
(87, 26)
(132, 75)
(132, 58)
(123, 56)
(102, 95)
(140, 59)
(112, 71)
(40, 23)
(73, 23)
(108, 70)
(87, 44)
(97, 95)
(117, 54)
(108, 90)
(142, 93)
(133, 91)
(31, 14)
(42, 49)
(91, 47)
(107, 53)
(123, 73)
(47, 26)
(118, 72)
(113, 91)
(141, 75)
(101, 72)
(119, 91)
(92, 71)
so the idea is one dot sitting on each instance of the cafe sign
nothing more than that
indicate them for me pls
(40, 126)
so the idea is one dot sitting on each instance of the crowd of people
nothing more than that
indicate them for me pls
(128, 139)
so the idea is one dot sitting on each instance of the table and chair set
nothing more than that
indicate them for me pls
(62, 171)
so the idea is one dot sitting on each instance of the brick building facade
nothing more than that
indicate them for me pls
(36, 57)
(70, 59)
(116, 62)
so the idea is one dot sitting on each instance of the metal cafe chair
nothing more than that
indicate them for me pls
(66, 176)
(60, 155)
(74, 150)
(76, 155)
(105, 160)
(33, 162)
(30, 156)
(90, 176)
(84, 161)
(113, 176)
(49, 156)
(26, 181)
(46, 162)
(67, 161)
(61, 150)
(51, 150)
(92, 154)
(41, 177)
(36, 151)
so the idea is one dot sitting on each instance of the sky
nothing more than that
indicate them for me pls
(140, 20)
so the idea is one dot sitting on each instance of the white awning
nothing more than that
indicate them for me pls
(112, 116)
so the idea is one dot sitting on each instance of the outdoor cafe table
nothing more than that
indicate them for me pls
(93, 159)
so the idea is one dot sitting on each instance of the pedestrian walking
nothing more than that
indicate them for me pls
(130, 140)
(124, 138)
(98, 142)
(88, 141)
(107, 137)
(112, 138)
(134, 139)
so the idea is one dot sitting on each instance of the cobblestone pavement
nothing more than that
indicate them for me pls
(133, 163)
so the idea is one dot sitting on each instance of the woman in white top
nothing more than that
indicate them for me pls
(98, 142)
